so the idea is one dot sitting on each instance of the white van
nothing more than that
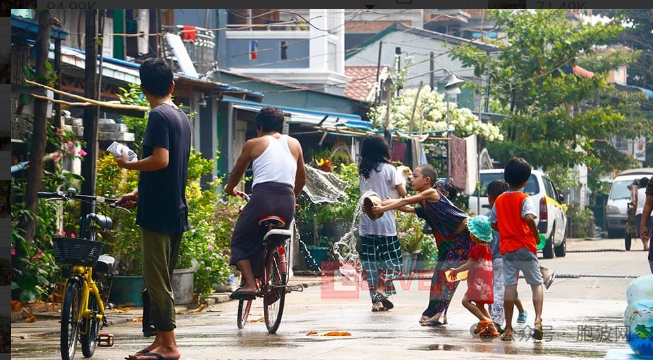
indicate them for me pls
(617, 207)
(552, 217)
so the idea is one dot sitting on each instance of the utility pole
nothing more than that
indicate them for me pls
(432, 72)
(89, 164)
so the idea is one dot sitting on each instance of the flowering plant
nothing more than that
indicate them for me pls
(431, 111)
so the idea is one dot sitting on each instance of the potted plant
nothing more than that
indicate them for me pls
(411, 237)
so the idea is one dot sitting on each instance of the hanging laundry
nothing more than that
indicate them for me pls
(458, 153)
(189, 33)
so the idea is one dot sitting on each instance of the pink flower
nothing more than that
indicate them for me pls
(82, 152)
(70, 143)
(73, 151)
(39, 254)
(58, 131)
(401, 234)
(13, 252)
(208, 268)
(56, 157)
(72, 235)
(210, 247)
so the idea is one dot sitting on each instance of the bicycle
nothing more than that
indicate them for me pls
(273, 286)
(82, 310)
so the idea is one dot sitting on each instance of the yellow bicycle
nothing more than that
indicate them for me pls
(82, 310)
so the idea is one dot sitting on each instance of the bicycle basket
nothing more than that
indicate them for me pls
(72, 251)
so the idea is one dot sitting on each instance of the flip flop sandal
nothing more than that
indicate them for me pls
(507, 337)
(538, 334)
(246, 295)
(423, 319)
(378, 307)
(386, 303)
(157, 356)
(432, 323)
(139, 352)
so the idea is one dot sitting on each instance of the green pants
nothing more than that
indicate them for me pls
(160, 252)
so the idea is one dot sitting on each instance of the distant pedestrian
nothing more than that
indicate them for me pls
(640, 201)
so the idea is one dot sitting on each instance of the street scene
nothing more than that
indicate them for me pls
(330, 184)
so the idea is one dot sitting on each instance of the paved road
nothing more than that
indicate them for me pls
(570, 303)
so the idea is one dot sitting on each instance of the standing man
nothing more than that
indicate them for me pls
(162, 209)
(643, 225)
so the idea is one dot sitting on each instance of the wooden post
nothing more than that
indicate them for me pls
(57, 68)
(412, 117)
(39, 133)
(90, 112)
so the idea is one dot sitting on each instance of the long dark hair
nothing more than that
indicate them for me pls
(375, 152)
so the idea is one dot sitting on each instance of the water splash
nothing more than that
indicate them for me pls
(345, 248)
(323, 187)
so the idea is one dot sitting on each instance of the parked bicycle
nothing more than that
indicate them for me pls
(273, 286)
(83, 310)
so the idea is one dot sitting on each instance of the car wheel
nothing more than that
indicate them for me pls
(548, 247)
(561, 250)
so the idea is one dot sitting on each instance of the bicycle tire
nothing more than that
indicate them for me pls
(69, 318)
(274, 298)
(90, 339)
(244, 306)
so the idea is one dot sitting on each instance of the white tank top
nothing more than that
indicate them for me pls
(276, 164)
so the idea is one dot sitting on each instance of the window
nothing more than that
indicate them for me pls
(620, 190)
(548, 186)
(621, 143)
(531, 187)
(283, 46)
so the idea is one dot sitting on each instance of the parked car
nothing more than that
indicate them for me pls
(617, 206)
(552, 217)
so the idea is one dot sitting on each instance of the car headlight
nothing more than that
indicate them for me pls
(612, 209)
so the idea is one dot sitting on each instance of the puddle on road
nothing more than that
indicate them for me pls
(509, 349)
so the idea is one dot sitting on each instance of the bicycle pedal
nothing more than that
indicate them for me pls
(105, 340)
(298, 287)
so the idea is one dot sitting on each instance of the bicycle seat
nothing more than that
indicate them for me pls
(274, 222)
(104, 222)
(105, 264)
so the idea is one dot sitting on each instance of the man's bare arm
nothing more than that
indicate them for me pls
(300, 176)
(158, 160)
(239, 169)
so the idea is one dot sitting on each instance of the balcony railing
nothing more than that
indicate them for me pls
(200, 44)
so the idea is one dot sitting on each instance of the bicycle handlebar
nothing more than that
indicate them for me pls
(60, 195)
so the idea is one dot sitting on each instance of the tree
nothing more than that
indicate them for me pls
(637, 35)
(556, 119)
(39, 133)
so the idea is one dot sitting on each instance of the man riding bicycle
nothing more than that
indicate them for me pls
(279, 177)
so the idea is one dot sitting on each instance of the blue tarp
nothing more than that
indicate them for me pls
(351, 120)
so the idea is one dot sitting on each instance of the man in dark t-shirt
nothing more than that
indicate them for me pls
(162, 210)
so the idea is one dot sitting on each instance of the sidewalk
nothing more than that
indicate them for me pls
(47, 323)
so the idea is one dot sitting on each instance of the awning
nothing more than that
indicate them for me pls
(305, 116)
(648, 92)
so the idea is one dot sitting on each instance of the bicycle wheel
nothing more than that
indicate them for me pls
(244, 305)
(70, 318)
(275, 294)
(91, 327)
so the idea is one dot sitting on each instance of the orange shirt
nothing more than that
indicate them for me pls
(513, 229)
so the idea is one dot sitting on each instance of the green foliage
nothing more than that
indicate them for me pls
(410, 232)
(134, 96)
(344, 209)
(582, 220)
(528, 80)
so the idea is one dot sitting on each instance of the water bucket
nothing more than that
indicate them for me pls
(368, 203)
(182, 285)
(127, 289)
